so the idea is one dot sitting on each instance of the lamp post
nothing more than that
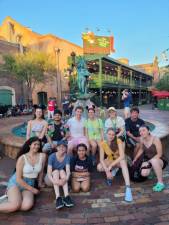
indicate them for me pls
(58, 76)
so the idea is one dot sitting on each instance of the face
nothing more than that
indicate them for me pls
(144, 132)
(134, 115)
(91, 114)
(38, 113)
(112, 114)
(78, 112)
(61, 149)
(35, 146)
(57, 117)
(81, 152)
(110, 135)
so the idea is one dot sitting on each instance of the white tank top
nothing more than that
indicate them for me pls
(30, 171)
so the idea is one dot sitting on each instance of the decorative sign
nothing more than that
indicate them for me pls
(93, 44)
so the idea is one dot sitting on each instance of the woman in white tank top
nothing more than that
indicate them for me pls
(21, 186)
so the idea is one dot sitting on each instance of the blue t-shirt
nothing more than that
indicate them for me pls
(127, 101)
(57, 165)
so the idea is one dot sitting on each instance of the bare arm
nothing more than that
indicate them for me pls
(19, 176)
(121, 155)
(101, 154)
(49, 173)
(40, 177)
(42, 134)
(140, 151)
(28, 132)
(67, 171)
(158, 145)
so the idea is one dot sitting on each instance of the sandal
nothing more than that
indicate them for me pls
(158, 187)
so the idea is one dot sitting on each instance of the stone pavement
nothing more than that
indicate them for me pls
(102, 205)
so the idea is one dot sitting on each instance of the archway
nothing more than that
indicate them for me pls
(42, 98)
(7, 96)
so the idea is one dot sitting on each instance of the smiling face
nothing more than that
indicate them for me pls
(91, 113)
(144, 132)
(35, 146)
(81, 151)
(61, 149)
(110, 135)
(78, 113)
(134, 115)
(38, 113)
(112, 114)
(57, 117)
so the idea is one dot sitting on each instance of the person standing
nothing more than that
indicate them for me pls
(127, 101)
(65, 106)
(51, 108)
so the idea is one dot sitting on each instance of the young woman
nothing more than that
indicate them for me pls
(38, 126)
(151, 148)
(21, 186)
(112, 156)
(93, 131)
(81, 166)
(58, 174)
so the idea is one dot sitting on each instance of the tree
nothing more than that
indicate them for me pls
(31, 67)
(163, 84)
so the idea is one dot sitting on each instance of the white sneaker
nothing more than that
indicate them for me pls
(114, 171)
(3, 198)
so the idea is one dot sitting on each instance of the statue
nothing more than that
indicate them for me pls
(82, 75)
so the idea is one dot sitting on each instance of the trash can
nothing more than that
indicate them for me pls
(167, 104)
(161, 104)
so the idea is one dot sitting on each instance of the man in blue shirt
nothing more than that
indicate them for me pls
(127, 101)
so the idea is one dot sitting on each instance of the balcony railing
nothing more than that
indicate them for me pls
(96, 81)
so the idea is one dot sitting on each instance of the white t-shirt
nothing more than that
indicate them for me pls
(76, 127)
(115, 123)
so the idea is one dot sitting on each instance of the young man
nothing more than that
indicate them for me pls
(76, 130)
(55, 132)
(127, 100)
(132, 129)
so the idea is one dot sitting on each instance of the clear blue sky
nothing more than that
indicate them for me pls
(140, 27)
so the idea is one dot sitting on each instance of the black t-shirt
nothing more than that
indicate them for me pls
(58, 133)
(78, 165)
(133, 126)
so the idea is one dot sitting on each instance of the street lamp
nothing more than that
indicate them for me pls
(58, 77)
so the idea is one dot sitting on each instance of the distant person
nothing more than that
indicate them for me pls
(37, 126)
(132, 129)
(65, 105)
(153, 158)
(127, 101)
(51, 108)
(21, 186)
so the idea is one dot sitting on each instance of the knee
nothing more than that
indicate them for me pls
(14, 207)
(26, 206)
(76, 189)
(145, 173)
(99, 167)
(85, 188)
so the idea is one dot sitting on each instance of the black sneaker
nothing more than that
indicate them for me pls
(59, 203)
(68, 201)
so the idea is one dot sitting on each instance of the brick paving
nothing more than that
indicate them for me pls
(102, 205)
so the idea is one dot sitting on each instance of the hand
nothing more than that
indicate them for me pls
(133, 162)
(35, 191)
(109, 175)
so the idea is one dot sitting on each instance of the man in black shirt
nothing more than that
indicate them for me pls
(132, 124)
(55, 132)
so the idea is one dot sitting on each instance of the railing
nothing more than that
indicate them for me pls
(96, 82)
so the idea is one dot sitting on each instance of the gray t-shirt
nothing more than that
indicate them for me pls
(57, 165)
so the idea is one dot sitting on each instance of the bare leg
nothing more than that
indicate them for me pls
(125, 172)
(55, 175)
(65, 186)
(14, 200)
(93, 147)
(27, 200)
(75, 185)
(157, 165)
(85, 185)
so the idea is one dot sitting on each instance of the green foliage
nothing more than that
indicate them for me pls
(30, 67)
(163, 84)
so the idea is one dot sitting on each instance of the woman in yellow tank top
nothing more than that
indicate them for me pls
(112, 157)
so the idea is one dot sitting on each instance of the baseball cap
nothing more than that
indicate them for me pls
(62, 142)
(112, 109)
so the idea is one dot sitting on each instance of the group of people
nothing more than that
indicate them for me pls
(69, 150)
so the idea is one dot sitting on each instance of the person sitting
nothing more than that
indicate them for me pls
(115, 122)
(58, 173)
(81, 167)
(38, 126)
(132, 125)
(76, 130)
(153, 158)
(112, 157)
(21, 186)
(93, 131)
(55, 132)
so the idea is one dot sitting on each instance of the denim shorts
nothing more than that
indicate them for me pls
(12, 182)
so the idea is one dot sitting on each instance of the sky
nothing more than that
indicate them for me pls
(140, 27)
